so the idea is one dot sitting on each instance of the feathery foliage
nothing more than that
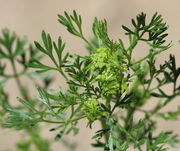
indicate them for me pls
(108, 85)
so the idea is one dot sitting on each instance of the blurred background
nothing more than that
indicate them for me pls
(30, 17)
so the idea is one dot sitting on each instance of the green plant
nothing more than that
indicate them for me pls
(108, 86)
(15, 51)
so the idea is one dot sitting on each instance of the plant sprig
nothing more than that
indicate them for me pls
(108, 86)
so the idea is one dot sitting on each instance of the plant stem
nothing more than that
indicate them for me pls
(19, 84)
(105, 126)
(88, 43)
(55, 122)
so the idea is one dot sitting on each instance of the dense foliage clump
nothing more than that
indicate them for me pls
(109, 85)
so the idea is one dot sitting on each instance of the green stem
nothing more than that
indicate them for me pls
(55, 122)
(128, 121)
(59, 68)
(63, 74)
(103, 121)
(88, 43)
(78, 118)
(122, 128)
(133, 45)
(105, 126)
(13, 75)
(19, 84)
